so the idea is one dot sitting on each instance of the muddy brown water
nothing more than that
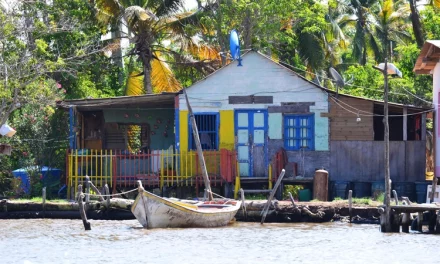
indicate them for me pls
(30, 241)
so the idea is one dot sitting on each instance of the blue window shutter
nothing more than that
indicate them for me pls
(302, 132)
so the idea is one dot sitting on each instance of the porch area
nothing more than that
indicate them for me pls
(121, 170)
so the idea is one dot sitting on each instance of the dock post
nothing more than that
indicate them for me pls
(396, 198)
(350, 204)
(420, 222)
(107, 195)
(82, 210)
(406, 220)
(87, 189)
(437, 226)
(44, 201)
(243, 204)
(291, 199)
(272, 193)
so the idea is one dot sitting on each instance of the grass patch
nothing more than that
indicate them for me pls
(338, 199)
(380, 197)
(39, 200)
(364, 200)
(255, 196)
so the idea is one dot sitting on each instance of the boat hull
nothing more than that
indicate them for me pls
(156, 212)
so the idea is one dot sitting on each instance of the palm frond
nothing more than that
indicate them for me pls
(311, 50)
(107, 10)
(135, 85)
(135, 13)
(162, 78)
(202, 51)
(164, 8)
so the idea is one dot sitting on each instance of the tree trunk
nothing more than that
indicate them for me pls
(147, 78)
(416, 24)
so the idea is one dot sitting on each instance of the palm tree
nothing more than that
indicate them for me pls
(360, 19)
(157, 30)
(390, 26)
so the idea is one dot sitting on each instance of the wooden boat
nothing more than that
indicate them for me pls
(153, 211)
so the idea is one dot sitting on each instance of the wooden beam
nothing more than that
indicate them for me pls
(423, 127)
(405, 124)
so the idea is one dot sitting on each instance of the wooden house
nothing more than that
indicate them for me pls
(252, 120)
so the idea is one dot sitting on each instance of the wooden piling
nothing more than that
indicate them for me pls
(396, 198)
(107, 193)
(291, 199)
(437, 226)
(272, 193)
(82, 210)
(420, 222)
(433, 188)
(350, 204)
(406, 222)
(243, 204)
(87, 189)
(44, 201)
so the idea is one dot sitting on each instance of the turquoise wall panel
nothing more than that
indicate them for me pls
(275, 126)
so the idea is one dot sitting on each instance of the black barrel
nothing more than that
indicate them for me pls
(361, 189)
(340, 189)
(405, 189)
(421, 190)
(377, 188)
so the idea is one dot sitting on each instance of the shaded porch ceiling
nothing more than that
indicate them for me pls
(149, 101)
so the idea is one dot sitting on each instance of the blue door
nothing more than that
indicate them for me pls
(251, 142)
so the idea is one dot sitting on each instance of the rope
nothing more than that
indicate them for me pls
(110, 195)
(213, 193)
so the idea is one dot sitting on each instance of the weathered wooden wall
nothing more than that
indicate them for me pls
(343, 124)
(364, 160)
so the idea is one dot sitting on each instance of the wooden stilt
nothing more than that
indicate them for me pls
(243, 204)
(82, 210)
(107, 192)
(406, 221)
(272, 193)
(44, 201)
(396, 198)
(420, 221)
(437, 226)
(87, 189)
(350, 204)
(292, 200)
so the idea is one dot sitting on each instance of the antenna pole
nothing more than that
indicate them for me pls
(199, 148)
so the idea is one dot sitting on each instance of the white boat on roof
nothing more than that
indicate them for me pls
(153, 211)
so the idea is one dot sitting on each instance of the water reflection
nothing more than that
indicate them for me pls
(65, 241)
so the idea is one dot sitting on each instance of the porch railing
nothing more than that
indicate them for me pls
(158, 168)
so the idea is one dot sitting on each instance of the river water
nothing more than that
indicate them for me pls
(65, 241)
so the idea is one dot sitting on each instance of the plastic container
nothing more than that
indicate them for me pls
(361, 189)
(405, 189)
(421, 190)
(305, 195)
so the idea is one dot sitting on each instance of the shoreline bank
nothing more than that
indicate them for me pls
(119, 209)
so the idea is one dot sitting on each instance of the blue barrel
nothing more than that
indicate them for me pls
(340, 189)
(405, 189)
(421, 190)
(361, 189)
(377, 188)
